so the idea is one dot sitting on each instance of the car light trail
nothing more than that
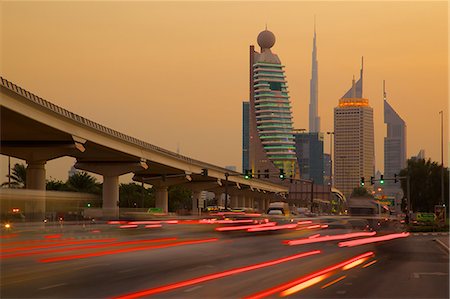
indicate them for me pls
(65, 243)
(116, 251)
(354, 264)
(271, 228)
(300, 280)
(304, 222)
(313, 236)
(243, 227)
(303, 285)
(36, 241)
(8, 236)
(201, 279)
(117, 222)
(57, 236)
(310, 227)
(116, 244)
(234, 221)
(372, 240)
(128, 226)
(143, 222)
(329, 238)
(333, 282)
(153, 225)
(369, 264)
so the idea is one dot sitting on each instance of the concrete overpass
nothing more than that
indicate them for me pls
(36, 130)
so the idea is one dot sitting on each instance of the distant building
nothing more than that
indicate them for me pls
(354, 155)
(314, 119)
(420, 155)
(327, 169)
(73, 171)
(245, 136)
(394, 143)
(309, 149)
(272, 145)
(231, 167)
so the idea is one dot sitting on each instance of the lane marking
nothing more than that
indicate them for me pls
(53, 286)
(418, 274)
(192, 289)
(333, 282)
(442, 244)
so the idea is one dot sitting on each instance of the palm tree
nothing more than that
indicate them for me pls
(83, 182)
(18, 176)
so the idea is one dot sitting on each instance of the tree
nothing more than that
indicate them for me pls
(132, 193)
(56, 185)
(425, 184)
(180, 198)
(83, 182)
(361, 192)
(18, 176)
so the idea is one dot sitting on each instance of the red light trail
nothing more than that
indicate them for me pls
(201, 279)
(303, 279)
(116, 251)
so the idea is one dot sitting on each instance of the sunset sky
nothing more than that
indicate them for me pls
(175, 73)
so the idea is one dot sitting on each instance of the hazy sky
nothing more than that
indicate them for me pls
(176, 73)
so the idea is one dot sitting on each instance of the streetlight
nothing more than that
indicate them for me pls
(331, 160)
(442, 156)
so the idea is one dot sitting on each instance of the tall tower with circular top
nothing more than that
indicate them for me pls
(272, 144)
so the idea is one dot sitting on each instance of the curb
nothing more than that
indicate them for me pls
(441, 244)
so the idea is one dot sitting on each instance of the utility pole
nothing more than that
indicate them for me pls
(9, 172)
(331, 160)
(226, 189)
(442, 156)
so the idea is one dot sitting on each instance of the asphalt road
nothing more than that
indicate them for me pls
(191, 260)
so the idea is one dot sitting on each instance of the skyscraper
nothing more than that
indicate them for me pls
(354, 139)
(314, 119)
(309, 149)
(272, 144)
(245, 136)
(394, 142)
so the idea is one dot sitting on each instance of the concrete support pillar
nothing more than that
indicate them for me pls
(218, 197)
(36, 180)
(195, 199)
(36, 175)
(110, 196)
(234, 201)
(241, 201)
(162, 198)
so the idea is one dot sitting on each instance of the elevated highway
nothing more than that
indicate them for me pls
(36, 130)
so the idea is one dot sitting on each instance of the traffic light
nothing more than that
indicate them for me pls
(395, 178)
(266, 173)
(371, 180)
(204, 171)
(362, 182)
(381, 180)
(282, 176)
(247, 174)
(89, 205)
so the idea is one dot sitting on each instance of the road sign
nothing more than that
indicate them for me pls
(440, 214)
(425, 217)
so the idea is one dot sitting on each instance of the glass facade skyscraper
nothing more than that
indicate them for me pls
(272, 144)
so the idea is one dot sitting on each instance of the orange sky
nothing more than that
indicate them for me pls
(177, 72)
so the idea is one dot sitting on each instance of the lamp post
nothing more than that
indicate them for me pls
(331, 160)
(442, 156)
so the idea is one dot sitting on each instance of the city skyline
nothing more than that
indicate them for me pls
(98, 68)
